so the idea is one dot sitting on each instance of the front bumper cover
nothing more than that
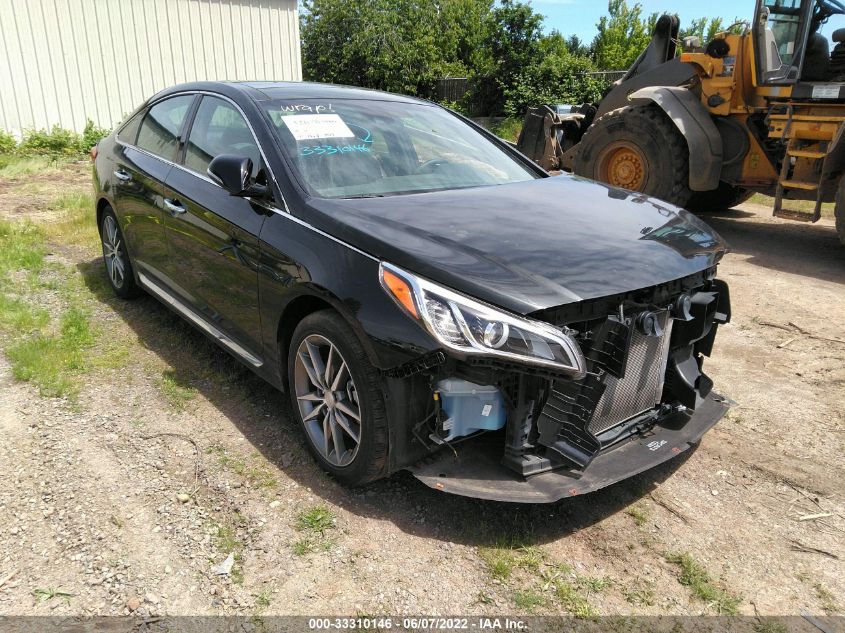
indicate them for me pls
(477, 471)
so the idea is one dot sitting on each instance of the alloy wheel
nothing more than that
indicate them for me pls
(113, 252)
(328, 400)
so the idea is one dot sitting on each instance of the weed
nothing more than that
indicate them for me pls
(573, 601)
(314, 522)
(50, 361)
(174, 390)
(594, 584)
(226, 539)
(263, 599)
(316, 519)
(116, 521)
(502, 558)
(42, 595)
(21, 247)
(639, 594)
(484, 598)
(302, 547)
(528, 600)
(769, 626)
(639, 513)
(695, 576)
(256, 475)
(826, 598)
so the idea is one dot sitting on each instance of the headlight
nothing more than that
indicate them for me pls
(471, 327)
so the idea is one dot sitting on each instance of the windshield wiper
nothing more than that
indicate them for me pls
(364, 195)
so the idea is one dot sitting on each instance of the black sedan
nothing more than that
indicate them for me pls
(429, 298)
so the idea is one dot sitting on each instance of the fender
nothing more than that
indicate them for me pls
(694, 123)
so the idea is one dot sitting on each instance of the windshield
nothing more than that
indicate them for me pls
(355, 148)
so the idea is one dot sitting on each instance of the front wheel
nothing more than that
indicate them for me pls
(336, 395)
(637, 148)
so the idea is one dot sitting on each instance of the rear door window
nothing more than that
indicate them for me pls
(219, 128)
(159, 133)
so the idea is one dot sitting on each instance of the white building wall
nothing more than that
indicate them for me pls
(65, 61)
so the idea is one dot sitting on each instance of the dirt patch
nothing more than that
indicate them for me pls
(131, 497)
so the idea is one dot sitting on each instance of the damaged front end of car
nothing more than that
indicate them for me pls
(564, 401)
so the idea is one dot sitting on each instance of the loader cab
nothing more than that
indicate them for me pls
(799, 41)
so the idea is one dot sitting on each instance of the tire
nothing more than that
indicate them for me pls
(727, 196)
(351, 465)
(119, 270)
(839, 210)
(637, 148)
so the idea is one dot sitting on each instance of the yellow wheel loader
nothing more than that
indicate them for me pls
(761, 111)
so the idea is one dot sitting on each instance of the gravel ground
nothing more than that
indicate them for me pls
(126, 498)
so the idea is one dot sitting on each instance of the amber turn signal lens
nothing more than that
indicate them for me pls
(400, 289)
(94, 153)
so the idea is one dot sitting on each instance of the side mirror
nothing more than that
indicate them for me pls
(233, 174)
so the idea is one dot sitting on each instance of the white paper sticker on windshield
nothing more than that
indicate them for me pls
(307, 127)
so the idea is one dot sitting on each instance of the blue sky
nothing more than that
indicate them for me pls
(580, 16)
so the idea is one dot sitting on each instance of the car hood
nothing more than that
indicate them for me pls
(529, 245)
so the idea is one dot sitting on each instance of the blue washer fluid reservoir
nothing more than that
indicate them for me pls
(470, 408)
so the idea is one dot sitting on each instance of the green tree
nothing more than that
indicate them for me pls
(705, 29)
(514, 31)
(622, 35)
(395, 45)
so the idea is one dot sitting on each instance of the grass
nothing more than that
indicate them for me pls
(52, 361)
(528, 599)
(73, 221)
(768, 626)
(50, 353)
(570, 597)
(14, 166)
(806, 206)
(263, 599)
(174, 390)
(639, 513)
(316, 519)
(826, 598)
(501, 560)
(256, 475)
(694, 576)
(314, 523)
(507, 129)
(640, 594)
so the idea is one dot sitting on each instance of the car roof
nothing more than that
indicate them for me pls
(287, 90)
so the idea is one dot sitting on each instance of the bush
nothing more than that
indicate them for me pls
(57, 141)
(92, 134)
(8, 143)
(554, 79)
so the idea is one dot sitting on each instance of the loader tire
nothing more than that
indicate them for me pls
(726, 196)
(839, 211)
(637, 148)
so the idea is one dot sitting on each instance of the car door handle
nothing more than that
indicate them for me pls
(122, 175)
(174, 206)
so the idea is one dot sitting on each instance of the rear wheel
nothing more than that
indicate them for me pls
(839, 210)
(726, 196)
(637, 148)
(337, 396)
(116, 257)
